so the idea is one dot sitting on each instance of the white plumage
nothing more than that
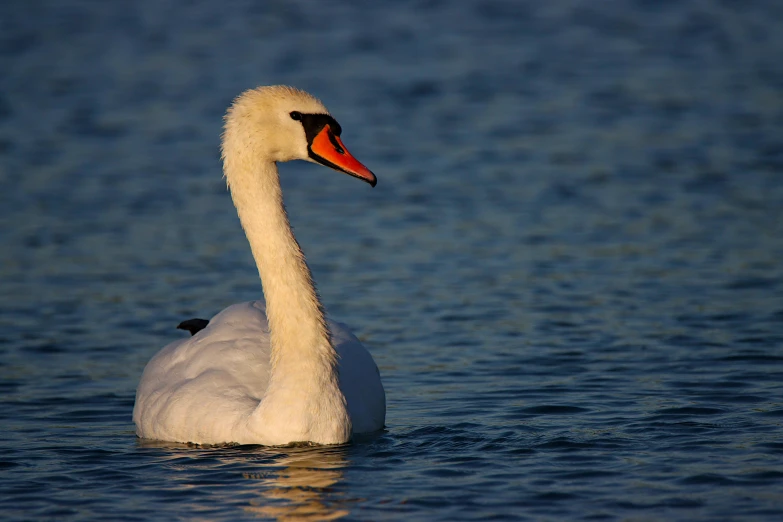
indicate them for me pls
(279, 372)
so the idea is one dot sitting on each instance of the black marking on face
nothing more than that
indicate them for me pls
(314, 123)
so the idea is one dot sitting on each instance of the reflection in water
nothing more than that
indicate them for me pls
(298, 490)
(293, 483)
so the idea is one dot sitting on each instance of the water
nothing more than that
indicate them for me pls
(569, 272)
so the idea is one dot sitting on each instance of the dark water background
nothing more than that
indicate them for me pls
(569, 273)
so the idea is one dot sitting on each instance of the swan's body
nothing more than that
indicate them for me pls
(276, 373)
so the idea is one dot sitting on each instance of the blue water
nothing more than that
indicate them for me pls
(569, 273)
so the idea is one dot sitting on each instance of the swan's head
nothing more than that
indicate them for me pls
(280, 123)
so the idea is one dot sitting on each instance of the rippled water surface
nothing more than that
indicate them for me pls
(569, 272)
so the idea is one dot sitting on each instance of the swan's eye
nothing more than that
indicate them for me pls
(296, 115)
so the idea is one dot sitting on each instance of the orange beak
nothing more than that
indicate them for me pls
(328, 149)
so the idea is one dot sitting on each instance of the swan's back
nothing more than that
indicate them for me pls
(206, 388)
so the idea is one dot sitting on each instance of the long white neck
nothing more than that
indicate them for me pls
(303, 398)
(296, 319)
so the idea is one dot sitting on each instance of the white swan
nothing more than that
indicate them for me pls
(279, 372)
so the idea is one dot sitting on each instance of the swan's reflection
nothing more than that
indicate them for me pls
(293, 483)
(301, 489)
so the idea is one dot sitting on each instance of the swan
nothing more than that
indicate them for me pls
(273, 371)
